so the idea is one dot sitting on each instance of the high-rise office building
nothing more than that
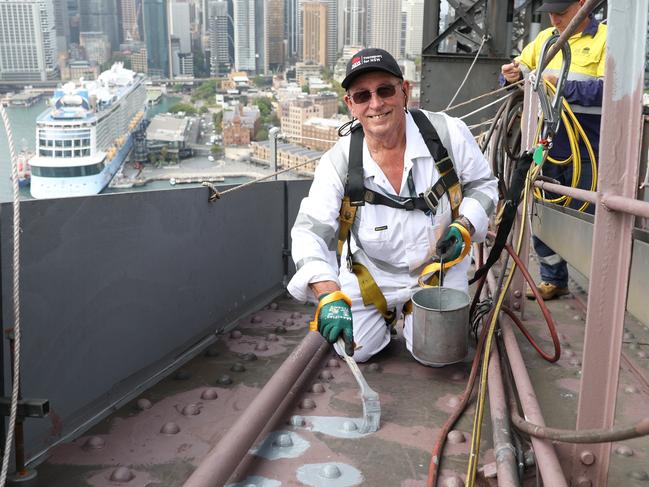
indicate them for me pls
(100, 16)
(260, 37)
(291, 27)
(27, 40)
(96, 47)
(180, 28)
(355, 23)
(244, 35)
(274, 35)
(130, 13)
(414, 26)
(385, 25)
(332, 31)
(220, 37)
(314, 35)
(156, 35)
(180, 24)
(62, 25)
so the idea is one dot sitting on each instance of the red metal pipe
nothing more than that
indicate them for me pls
(503, 448)
(548, 462)
(579, 194)
(626, 205)
(217, 467)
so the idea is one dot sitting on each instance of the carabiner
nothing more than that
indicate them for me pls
(552, 110)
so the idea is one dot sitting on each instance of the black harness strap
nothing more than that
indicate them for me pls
(510, 204)
(359, 195)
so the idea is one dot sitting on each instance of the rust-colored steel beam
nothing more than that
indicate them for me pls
(219, 464)
(546, 456)
(621, 134)
(503, 448)
(627, 205)
(579, 194)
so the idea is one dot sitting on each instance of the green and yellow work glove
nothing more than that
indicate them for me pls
(450, 246)
(333, 318)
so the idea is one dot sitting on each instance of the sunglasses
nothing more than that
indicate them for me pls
(383, 91)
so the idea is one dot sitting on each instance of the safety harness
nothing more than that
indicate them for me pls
(356, 194)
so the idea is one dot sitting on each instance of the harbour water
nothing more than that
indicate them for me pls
(23, 126)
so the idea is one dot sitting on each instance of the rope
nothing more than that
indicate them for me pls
(250, 183)
(477, 54)
(497, 100)
(16, 298)
(489, 93)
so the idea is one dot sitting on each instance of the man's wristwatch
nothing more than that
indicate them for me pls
(464, 221)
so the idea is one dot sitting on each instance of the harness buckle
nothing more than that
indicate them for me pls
(431, 199)
(350, 262)
(408, 204)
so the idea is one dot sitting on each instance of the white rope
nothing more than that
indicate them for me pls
(486, 106)
(16, 298)
(249, 183)
(477, 54)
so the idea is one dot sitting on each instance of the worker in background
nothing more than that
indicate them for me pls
(583, 91)
(392, 237)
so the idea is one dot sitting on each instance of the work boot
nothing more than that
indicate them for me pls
(548, 291)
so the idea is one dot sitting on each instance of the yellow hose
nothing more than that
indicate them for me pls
(482, 390)
(574, 131)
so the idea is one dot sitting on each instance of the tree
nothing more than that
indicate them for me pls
(217, 118)
(183, 107)
(201, 70)
(265, 106)
(118, 57)
(164, 152)
(262, 134)
(216, 150)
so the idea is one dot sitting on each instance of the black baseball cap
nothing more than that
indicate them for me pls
(555, 6)
(370, 59)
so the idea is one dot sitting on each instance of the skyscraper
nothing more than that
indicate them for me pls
(314, 34)
(27, 40)
(100, 16)
(260, 37)
(156, 35)
(355, 24)
(130, 11)
(274, 33)
(332, 31)
(62, 25)
(415, 27)
(385, 25)
(180, 28)
(220, 37)
(291, 27)
(244, 35)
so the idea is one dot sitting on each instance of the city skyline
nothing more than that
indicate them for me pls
(199, 38)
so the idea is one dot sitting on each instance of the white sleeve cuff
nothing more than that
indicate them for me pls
(474, 211)
(314, 271)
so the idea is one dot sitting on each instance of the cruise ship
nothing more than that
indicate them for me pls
(83, 138)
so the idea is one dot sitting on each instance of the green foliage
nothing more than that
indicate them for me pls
(217, 118)
(265, 106)
(183, 107)
(262, 81)
(305, 88)
(203, 109)
(206, 90)
(201, 70)
(118, 57)
(216, 150)
(262, 134)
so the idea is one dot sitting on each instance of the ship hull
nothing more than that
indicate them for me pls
(45, 187)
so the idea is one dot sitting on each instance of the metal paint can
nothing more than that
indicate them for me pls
(440, 325)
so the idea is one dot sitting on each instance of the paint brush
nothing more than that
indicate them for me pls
(369, 397)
